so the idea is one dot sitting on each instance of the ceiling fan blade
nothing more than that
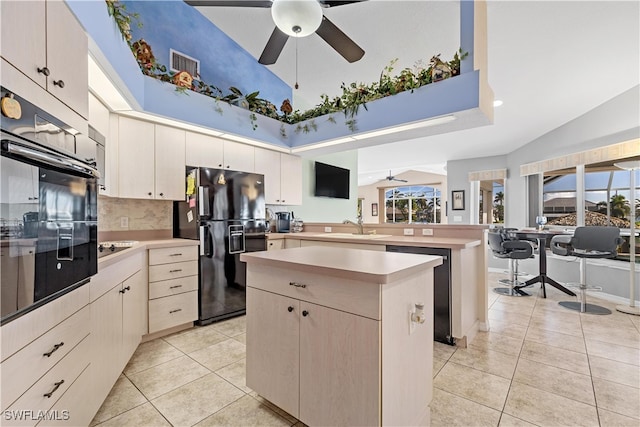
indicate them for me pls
(230, 3)
(339, 41)
(273, 48)
(400, 180)
(330, 3)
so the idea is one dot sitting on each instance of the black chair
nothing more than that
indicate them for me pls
(587, 242)
(505, 247)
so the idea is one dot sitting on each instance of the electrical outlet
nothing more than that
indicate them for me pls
(427, 231)
(457, 218)
(327, 229)
(408, 231)
(124, 222)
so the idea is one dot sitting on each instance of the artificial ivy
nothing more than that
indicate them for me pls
(354, 95)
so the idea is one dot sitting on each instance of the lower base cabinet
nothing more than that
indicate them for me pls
(317, 351)
(118, 322)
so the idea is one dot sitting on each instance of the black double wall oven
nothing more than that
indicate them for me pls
(48, 212)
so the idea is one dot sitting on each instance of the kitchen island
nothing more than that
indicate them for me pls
(337, 336)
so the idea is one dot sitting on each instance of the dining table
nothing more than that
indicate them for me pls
(541, 237)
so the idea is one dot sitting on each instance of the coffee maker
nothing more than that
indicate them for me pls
(283, 222)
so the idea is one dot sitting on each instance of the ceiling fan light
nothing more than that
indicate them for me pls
(297, 18)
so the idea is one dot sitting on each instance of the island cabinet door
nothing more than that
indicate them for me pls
(339, 368)
(273, 364)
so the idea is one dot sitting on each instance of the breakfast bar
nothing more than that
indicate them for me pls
(339, 336)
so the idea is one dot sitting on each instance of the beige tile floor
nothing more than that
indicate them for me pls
(539, 365)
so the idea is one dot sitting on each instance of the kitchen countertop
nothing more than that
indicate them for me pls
(143, 245)
(374, 267)
(418, 241)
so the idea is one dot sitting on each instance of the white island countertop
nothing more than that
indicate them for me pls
(355, 264)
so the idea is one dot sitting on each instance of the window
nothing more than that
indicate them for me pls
(607, 199)
(413, 204)
(182, 62)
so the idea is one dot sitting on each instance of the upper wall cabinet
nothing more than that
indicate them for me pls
(211, 152)
(282, 177)
(44, 40)
(151, 160)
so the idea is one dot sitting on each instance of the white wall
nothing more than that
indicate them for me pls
(370, 193)
(615, 121)
(323, 209)
(458, 179)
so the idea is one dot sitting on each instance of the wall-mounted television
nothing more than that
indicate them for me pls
(331, 181)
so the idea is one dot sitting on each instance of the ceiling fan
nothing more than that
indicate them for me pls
(296, 18)
(393, 178)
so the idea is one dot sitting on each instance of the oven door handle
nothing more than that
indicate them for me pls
(49, 158)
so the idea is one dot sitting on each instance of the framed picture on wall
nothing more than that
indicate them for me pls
(457, 200)
(374, 209)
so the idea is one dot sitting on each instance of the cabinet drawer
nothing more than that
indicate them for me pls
(22, 369)
(74, 408)
(172, 311)
(166, 288)
(173, 270)
(48, 389)
(175, 254)
(275, 244)
(352, 296)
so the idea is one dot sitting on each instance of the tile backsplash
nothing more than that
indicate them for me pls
(140, 214)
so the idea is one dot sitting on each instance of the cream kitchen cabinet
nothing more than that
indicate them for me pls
(173, 287)
(118, 321)
(44, 40)
(307, 339)
(364, 246)
(151, 160)
(43, 354)
(324, 326)
(282, 175)
(212, 152)
(274, 244)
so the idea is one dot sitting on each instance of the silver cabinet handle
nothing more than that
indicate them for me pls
(175, 271)
(297, 285)
(175, 311)
(175, 254)
(174, 287)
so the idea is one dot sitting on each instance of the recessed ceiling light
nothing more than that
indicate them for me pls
(497, 103)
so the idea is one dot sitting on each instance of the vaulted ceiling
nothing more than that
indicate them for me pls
(549, 62)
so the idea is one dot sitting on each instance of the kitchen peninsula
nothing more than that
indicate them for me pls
(465, 269)
(338, 336)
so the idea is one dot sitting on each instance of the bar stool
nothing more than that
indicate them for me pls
(587, 242)
(512, 249)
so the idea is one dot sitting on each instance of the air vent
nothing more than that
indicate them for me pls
(182, 62)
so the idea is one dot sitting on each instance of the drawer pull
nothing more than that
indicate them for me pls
(53, 350)
(297, 285)
(175, 311)
(56, 386)
(305, 313)
(125, 289)
(174, 287)
(290, 309)
(175, 255)
(175, 271)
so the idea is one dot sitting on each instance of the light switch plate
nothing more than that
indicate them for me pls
(408, 231)
(427, 231)
(457, 218)
(327, 229)
(124, 222)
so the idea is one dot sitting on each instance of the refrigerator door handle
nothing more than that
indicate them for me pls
(203, 201)
(206, 247)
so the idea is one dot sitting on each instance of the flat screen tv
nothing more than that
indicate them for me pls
(331, 181)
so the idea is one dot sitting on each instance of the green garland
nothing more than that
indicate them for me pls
(354, 95)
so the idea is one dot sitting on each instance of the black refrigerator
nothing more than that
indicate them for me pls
(225, 211)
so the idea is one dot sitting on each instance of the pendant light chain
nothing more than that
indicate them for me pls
(296, 86)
